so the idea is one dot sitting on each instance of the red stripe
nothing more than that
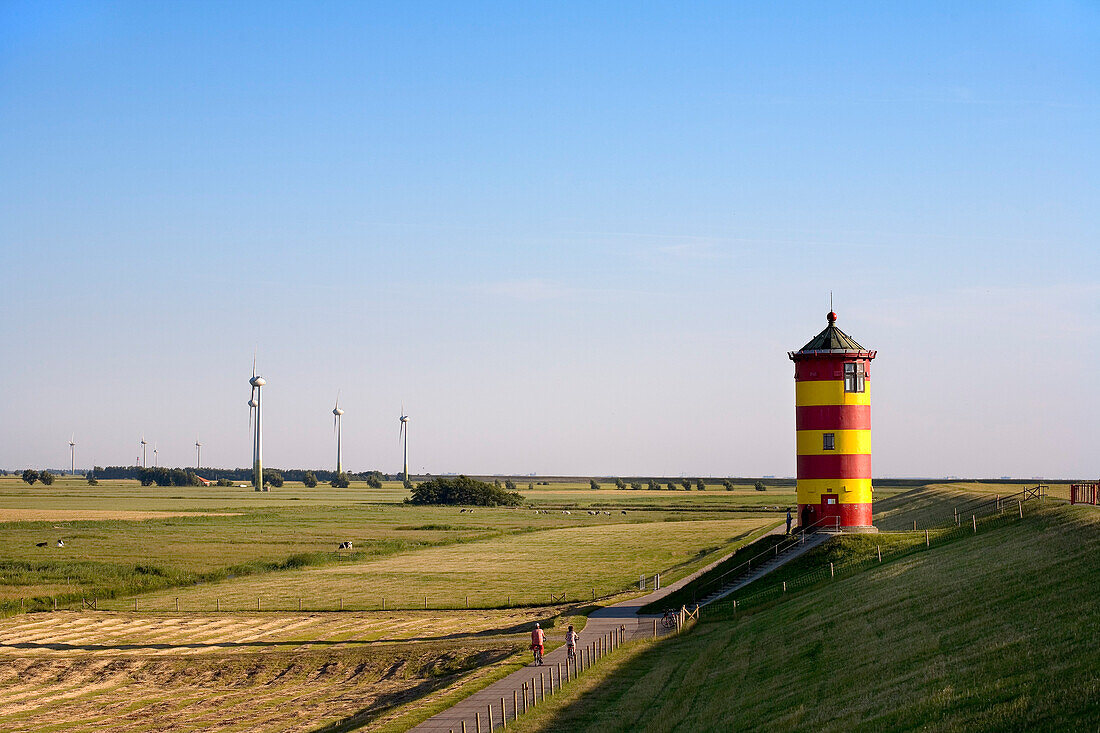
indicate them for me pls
(816, 370)
(833, 417)
(841, 465)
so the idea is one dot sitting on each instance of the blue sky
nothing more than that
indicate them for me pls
(570, 238)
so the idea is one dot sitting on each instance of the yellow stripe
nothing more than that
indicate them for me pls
(810, 442)
(829, 392)
(850, 490)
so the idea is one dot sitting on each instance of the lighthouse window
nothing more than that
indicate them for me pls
(828, 441)
(854, 377)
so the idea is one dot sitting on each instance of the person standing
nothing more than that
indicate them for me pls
(538, 640)
(788, 520)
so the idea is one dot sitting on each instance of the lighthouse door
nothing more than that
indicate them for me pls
(830, 508)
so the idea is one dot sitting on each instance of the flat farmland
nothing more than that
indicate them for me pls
(513, 569)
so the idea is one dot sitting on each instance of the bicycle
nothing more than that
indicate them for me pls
(669, 620)
(538, 654)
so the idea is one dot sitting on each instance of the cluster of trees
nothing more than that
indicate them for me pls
(687, 484)
(30, 476)
(241, 475)
(167, 477)
(463, 490)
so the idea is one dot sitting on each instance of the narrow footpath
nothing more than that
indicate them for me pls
(601, 625)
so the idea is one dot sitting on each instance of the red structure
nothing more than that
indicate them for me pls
(1084, 493)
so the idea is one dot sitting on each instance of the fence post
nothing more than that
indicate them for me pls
(426, 608)
(299, 603)
(542, 687)
(135, 604)
(257, 603)
(515, 705)
(1021, 508)
(974, 520)
(489, 716)
(467, 601)
(503, 714)
(914, 525)
(879, 552)
(832, 573)
(926, 542)
(654, 628)
(383, 603)
(784, 586)
(177, 605)
(559, 677)
(340, 599)
(956, 516)
(218, 604)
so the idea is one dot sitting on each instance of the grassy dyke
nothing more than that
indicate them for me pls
(991, 632)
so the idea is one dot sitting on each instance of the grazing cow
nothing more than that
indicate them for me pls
(61, 543)
(345, 546)
(41, 544)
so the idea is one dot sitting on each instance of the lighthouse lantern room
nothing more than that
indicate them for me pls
(833, 426)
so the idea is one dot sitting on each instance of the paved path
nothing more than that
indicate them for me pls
(601, 625)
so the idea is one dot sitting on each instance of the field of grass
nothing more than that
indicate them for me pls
(326, 689)
(513, 569)
(992, 632)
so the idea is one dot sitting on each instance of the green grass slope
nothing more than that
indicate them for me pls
(992, 632)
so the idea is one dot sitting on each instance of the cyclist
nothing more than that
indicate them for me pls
(538, 639)
(571, 638)
(669, 620)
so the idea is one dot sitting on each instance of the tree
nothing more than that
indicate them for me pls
(653, 485)
(620, 484)
(309, 480)
(273, 477)
(635, 485)
(728, 484)
(30, 476)
(686, 483)
(593, 484)
(46, 478)
(223, 482)
(759, 486)
(462, 490)
(531, 486)
(92, 480)
(409, 485)
(699, 485)
(671, 486)
(340, 481)
(374, 482)
(510, 485)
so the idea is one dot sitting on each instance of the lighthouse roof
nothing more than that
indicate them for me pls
(830, 341)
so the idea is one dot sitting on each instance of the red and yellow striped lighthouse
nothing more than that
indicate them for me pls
(832, 401)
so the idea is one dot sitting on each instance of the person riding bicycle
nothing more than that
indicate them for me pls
(669, 620)
(538, 640)
(571, 638)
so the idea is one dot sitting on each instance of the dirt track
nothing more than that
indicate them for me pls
(76, 515)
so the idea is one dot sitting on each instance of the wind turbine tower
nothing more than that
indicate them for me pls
(198, 455)
(338, 427)
(72, 455)
(403, 432)
(156, 461)
(257, 445)
(143, 444)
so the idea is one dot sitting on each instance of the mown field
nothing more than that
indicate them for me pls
(990, 632)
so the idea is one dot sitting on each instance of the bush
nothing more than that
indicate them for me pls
(340, 481)
(759, 486)
(92, 480)
(510, 485)
(462, 490)
(636, 486)
(653, 485)
(409, 484)
(671, 486)
(686, 484)
(30, 476)
(620, 484)
(593, 484)
(46, 478)
(224, 482)
(309, 480)
(374, 482)
(699, 485)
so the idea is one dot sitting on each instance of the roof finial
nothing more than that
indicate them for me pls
(832, 315)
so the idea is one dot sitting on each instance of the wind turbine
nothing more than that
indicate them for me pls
(403, 432)
(338, 428)
(257, 444)
(72, 455)
(198, 454)
(156, 463)
(143, 444)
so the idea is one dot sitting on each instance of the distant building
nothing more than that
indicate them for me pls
(833, 422)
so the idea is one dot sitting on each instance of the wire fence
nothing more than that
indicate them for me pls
(938, 528)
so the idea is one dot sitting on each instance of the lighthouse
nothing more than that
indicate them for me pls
(832, 383)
